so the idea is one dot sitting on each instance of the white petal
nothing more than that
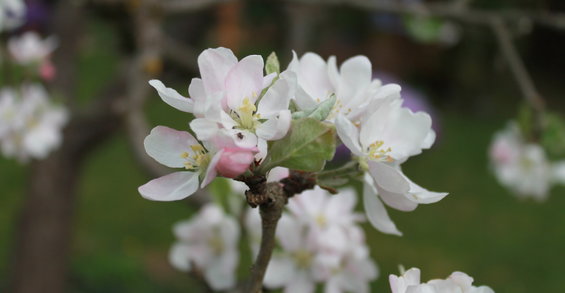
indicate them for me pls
(276, 174)
(278, 96)
(172, 97)
(220, 274)
(424, 196)
(214, 65)
(300, 284)
(174, 186)
(245, 80)
(349, 134)
(388, 178)
(279, 272)
(313, 76)
(429, 140)
(166, 145)
(179, 257)
(276, 127)
(397, 200)
(559, 172)
(205, 129)
(356, 75)
(376, 212)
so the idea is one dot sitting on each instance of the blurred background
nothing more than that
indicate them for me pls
(445, 55)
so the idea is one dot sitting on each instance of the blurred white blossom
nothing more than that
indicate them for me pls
(12, 13)
(29, 49)
(208, 244)
(522, 166)
(457, 282)
(31, 125)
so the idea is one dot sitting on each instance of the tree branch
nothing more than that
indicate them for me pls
(271, 212)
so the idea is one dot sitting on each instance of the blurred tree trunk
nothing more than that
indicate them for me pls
(44, 234)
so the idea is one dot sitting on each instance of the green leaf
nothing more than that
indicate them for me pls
(320, 112)
(273, 64)
(307, 146)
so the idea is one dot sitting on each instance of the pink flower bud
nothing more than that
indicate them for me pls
(234, 161)
(47, 71)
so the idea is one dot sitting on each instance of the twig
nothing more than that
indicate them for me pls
(270, 214)
(523, 79)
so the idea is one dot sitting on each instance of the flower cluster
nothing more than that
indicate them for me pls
(320, 241)
(33, 53)
(12, 13)
(208, 245)
(523, 166)
(30, 124)
(409, 282)
(240, 110)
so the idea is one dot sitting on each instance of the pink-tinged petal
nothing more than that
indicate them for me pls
(376, 212)
(235, 161)
(245, 80)
(280, 271)
(349, 134)
(174, 186)
(277, 174)
(214, 65)
(204, 128)
(179, 257)
(278, 96)
(388, 178)
(167, 145)
(172, 97)
(276, 127)
(211, 172)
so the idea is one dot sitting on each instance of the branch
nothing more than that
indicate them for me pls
(271, 212)
(525, 82)
(182, 6)
(449, 10)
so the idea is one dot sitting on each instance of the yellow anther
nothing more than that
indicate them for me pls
(196, 148)
(303, 258)
(376, 153)
(184, 155)
(321, 220)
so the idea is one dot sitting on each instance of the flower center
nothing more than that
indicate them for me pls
(216, 243)
(302, 258)
(378, 153)
(198, 159)
(321, 220)
(245, 115)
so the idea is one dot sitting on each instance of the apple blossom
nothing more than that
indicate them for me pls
(457, 282)
(385, 138)
(29, 48)
(352, 84)
(31, 124)
(208, 243)
(179, 149)
(522, 166)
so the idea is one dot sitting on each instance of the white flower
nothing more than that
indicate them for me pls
(520, 166)
(32, 126)
(208, 243)
(226, 97)
(352, 84)
(29, 48)
(12, 13)
(321, 243)
(386, 137)
(457, 282)
(179, 149)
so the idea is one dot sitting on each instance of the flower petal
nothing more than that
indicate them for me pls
(166, 145)
(278, 96)
(211, 170)
(376, 212)
(172, 97)
(214, 65)
(349, 134)
(245, 80)
(388, 178)
(179, 257)
(174, 186)
(276, 127)
(205, 129)
(279, 272)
